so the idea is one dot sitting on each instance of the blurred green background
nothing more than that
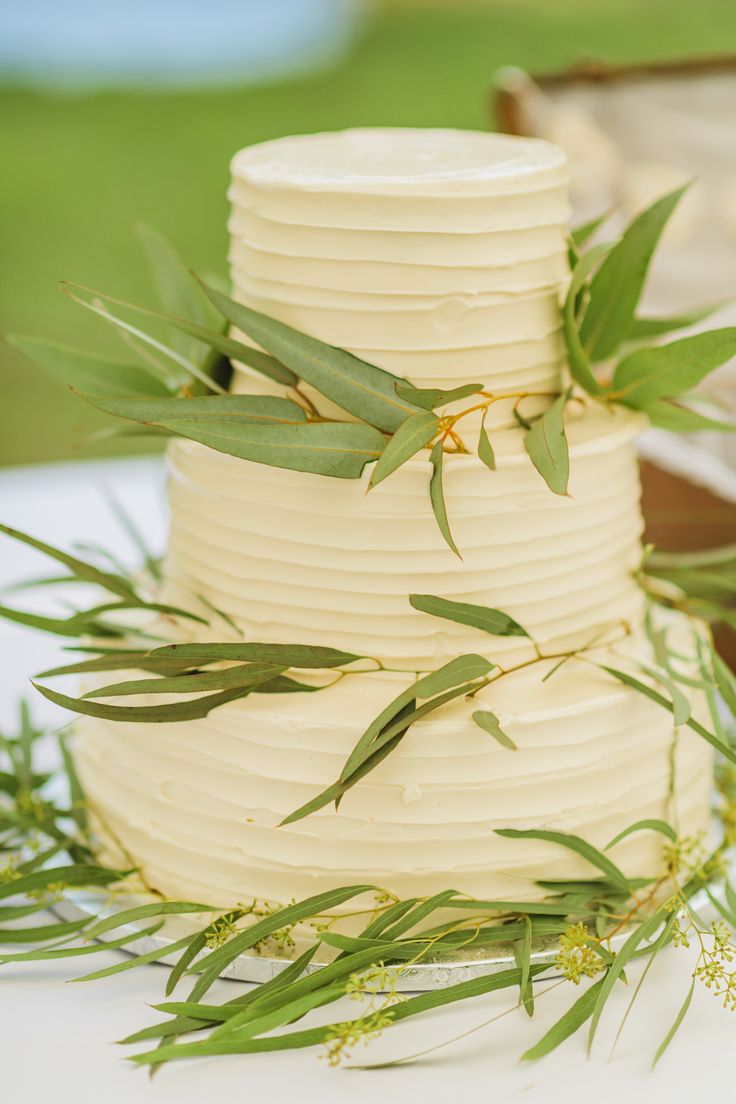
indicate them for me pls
(79, 170)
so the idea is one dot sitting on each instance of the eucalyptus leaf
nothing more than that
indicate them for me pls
(458, 671)
(143, 912)
(646, 825)
(485, 449)
(412, 435)
(567, 1025)
(647, 691)
(212, 964)
(682, 1012)
(177, 291)
(642, 329)
(89, 371)
(523, 958)
(581, 233)
(681, 705)
(489, 620)
(87, 572)
(618, 284)
(220, 342)
(725, 679)
(580, 367)
(490, 723)
(546, 445)
(78, 874)
(337, 449)
(215, 410)
(148, 714)
(437, 497)
(360, 388)
(664, 371)
(573, 843)
(246, 674)
(429, 398)
(683, 419)
(645, 931)
(290, 655)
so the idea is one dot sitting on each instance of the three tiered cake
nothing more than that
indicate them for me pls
(440, 256)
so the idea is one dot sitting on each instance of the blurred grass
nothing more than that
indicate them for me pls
(79, 172)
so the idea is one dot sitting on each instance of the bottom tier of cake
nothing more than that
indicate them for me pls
(197, 805)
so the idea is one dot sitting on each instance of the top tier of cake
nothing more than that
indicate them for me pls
(436, 254)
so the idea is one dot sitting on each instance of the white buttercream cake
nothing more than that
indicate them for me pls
(441, 256)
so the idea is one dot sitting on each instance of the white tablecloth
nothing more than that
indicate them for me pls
(56, 1039)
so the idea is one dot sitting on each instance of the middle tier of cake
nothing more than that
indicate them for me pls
(298, 558)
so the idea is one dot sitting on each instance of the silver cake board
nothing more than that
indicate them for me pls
(438, 972)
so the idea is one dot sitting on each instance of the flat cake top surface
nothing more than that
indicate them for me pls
(401, 159)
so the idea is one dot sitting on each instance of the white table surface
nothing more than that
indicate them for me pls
(56, 1039)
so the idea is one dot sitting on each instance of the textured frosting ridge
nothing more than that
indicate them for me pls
(439, 255)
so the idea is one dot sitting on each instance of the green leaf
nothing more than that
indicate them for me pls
(40, 933)
(87, 572)
(523, 957)
(622, 958)
(337, 449)
(617, 286)
(362, 389)
(177, 290)
(683, 419)
(78, 874)
(580, 368)
(136, 661)
(636, 684)
(412, 435)
(290, 655)
(567, 1025)
(457, 672)
(485, 449)
(54, 953)
(725, 680)
(478, 617)
(546, 445)
(429, 398)
(413, 1006)
(212, 965)
(220, 342)
(143, 912)
(214, 410)
(88, 621)
(676, 1024)
(136, 961)
(580, 846)
(89, 371)
(681, 706)
(148, 714)
(197, 944)
(490, 723)
(400, 715)
(246, 674)
(437, 497)
(647, 825)
(667, 370)
(585, 230)
(642, 329)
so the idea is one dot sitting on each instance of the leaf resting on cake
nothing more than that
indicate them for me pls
(490, 620)
(360, 388)
(546, 444)
(414, 433)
